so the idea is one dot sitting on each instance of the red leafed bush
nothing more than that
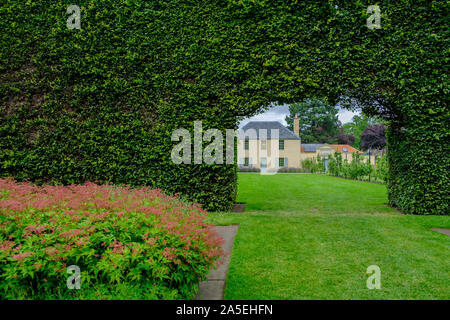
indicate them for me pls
(128, 243)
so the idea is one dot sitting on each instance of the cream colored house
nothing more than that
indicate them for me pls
(269, 144)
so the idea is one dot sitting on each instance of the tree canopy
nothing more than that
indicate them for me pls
(357, 126)
(319, 122)
(346, 139)
(374, 137)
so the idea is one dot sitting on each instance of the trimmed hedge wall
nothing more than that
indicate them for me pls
(419, 166)
(100, 103)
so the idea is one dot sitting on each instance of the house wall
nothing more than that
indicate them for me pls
(272, 152)
(307, 155)
(319, 151)
(348, 156)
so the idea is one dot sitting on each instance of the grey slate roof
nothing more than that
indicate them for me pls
(284, 133)
(311, 147)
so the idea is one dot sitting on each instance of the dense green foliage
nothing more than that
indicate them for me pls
(314, 164)
(100, 103)
(319, 122)
(345, 138)
(374, 137)
(127, 243)
(358, 168)
(357, 126)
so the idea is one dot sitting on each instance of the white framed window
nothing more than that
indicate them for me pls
(264, 144)
(246, 144)
(282, 162)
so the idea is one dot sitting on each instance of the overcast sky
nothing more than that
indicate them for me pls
(278, 113)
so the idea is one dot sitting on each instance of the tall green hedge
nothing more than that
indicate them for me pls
(100, 103)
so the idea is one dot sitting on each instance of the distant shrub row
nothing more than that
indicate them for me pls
(313, 165)
(358, 168)
(280, 170)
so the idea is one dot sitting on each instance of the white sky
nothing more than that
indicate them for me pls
(278, 113)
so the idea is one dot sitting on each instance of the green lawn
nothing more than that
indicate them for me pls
(309, 236)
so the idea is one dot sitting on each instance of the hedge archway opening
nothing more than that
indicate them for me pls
(99, 103)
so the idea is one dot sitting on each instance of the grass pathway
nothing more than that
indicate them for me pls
(313, 237)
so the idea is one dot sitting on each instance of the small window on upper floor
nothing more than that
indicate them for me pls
(246, 144)
(281, 144)
(263, 144)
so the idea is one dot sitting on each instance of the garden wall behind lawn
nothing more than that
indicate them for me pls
(101, 103)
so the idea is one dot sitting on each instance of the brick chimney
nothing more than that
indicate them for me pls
(296, 125)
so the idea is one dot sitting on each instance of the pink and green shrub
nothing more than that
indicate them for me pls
(128, 243)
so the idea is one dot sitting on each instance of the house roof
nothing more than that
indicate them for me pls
(311, 147)
(338, 147)
(345, 148)
(284, 133)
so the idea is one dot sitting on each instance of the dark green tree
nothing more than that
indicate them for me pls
(357, 126)
(346, 139)
(319, 122)
(374, 137)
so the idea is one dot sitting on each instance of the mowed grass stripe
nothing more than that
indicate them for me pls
(313, 237)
